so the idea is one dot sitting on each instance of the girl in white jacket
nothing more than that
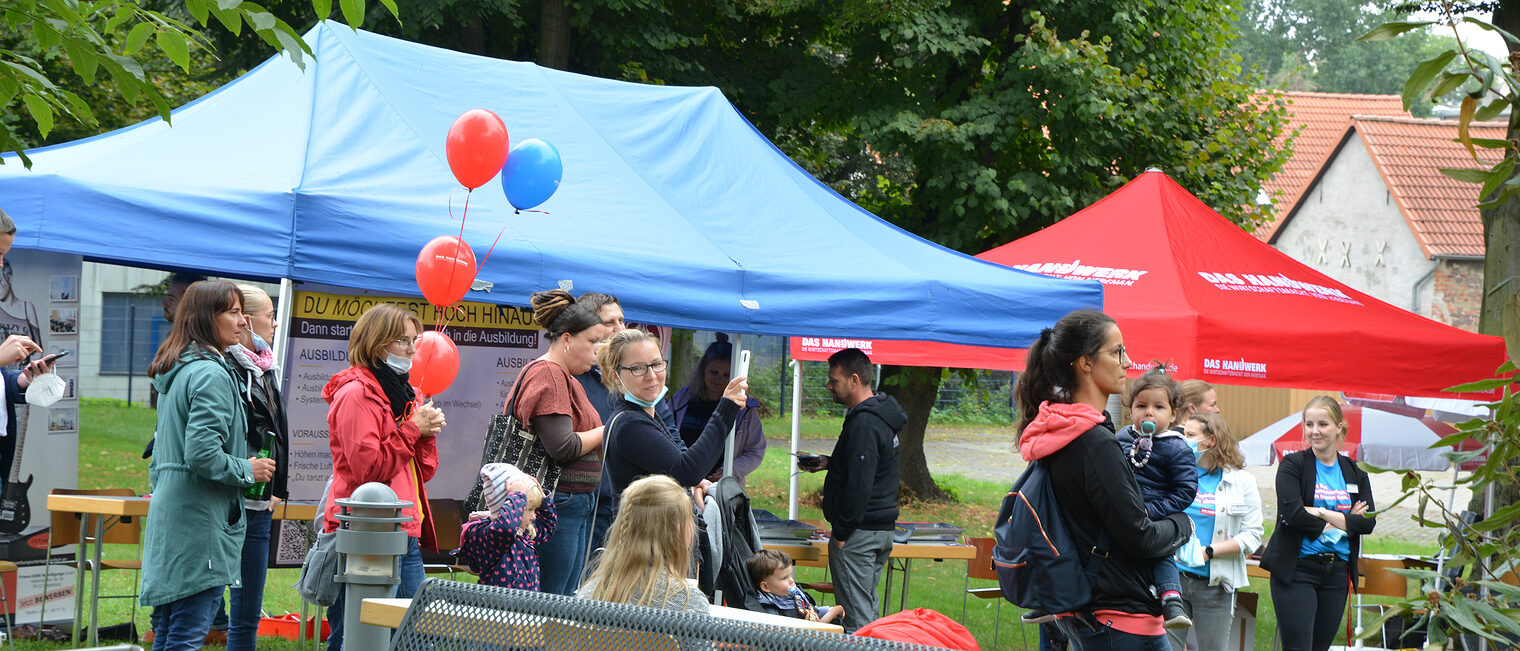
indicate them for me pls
(1226, 516)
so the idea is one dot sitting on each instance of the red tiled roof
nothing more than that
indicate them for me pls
(1321, 119)
(1442, 212)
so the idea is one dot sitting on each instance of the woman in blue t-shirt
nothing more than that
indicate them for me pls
(1323, 500)
(1226, 516)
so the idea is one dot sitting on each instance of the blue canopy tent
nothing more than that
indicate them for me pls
(671, 200)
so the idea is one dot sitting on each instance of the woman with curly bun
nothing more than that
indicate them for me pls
(553, 404)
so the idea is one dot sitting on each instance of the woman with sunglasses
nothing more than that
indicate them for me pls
(378, 432)
(638, 442)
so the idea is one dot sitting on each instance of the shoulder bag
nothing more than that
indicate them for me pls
(511, 440)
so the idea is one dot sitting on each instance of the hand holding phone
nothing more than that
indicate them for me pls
(810, 462)
(55, 357)
(743, 369)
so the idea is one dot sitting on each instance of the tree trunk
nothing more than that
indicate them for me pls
(554, 35)
(916, 389)
(1501, 256)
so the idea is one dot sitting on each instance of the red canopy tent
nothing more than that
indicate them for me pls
(1193, 290)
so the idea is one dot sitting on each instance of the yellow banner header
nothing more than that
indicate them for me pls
(341, 307)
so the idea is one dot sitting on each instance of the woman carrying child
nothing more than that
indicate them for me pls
(1226, 527)
(501, 544)
(1164, 468)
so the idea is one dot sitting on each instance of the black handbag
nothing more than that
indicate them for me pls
(510, 440)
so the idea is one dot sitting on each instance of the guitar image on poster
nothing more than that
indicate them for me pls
(16, 505)
(17, 317)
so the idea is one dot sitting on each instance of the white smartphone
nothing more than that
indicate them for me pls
(743, 370)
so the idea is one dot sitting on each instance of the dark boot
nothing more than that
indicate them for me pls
(1174, 614)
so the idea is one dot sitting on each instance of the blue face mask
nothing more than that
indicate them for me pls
(647, 404)
(1197, 453)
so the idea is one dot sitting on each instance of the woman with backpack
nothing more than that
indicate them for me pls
(1070, 374)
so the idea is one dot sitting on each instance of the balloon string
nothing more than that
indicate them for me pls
(498, 236)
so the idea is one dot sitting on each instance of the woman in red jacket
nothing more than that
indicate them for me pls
(378, 432)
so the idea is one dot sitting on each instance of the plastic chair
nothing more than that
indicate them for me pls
(447, 515)
(118, 531)
(981, 568)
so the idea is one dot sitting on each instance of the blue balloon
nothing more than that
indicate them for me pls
(531, 174)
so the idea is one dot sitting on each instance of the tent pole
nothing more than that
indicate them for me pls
(728, 446)
(282, 335)
(791, 496)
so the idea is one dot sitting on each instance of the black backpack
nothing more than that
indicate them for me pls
(1038, 564)
(740, 540)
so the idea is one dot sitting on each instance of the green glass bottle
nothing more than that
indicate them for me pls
(256, 491)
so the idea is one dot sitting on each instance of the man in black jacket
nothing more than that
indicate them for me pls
(860, 491)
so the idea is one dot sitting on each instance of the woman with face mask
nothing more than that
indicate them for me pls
(1226, 516)
(638, 443)
(1323, 499)
(379, 431)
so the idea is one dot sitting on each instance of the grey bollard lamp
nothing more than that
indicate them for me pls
(372, 542)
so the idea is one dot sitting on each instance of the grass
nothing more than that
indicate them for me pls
(112, 435)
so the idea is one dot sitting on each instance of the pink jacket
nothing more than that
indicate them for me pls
(369, 445)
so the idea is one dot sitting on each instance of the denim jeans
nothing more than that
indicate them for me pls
(1051, 638)
(1309, 605)
(1094, 635)
(1212, 609)
(181, 625)
(562, 557)
(1164, 576)
(248, 601)
(411, 579)
(856, 568)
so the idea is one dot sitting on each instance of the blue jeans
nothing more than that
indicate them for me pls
(411, 579)
(605, 514)
(248, 601)
(1094, 635)
(1051, 638)
(181, 625)
(1164, 575)
(562, 557)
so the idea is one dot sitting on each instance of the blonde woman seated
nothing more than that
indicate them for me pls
(648, 551)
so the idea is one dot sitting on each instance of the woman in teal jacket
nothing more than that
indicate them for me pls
(194, 538)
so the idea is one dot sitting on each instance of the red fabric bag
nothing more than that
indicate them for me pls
(921, 626)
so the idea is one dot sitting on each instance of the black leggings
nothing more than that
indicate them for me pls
(1310, 604)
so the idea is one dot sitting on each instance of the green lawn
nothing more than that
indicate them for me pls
(112, 435)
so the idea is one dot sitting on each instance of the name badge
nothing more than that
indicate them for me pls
(1353, 488)
(1236, 509)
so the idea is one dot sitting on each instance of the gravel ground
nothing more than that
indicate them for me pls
(989, 455)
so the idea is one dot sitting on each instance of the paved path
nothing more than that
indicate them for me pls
(990, 456)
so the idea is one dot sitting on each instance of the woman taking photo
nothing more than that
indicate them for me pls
(194, 537)
(695, 403)
(1226, 516)
(638, 443)
(378, 432)
(1322, 504)
(552, 404)
(1070, 373)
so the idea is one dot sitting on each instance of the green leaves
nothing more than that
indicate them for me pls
(1389, 30)
(1424, 76)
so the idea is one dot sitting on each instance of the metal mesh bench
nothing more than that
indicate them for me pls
(448, 615)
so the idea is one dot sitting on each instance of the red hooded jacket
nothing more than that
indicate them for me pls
(369, 445)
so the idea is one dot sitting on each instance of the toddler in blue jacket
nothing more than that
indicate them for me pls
(1164, 468)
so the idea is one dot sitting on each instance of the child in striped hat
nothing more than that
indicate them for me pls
(501, 543)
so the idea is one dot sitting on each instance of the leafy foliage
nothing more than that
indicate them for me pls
(105, 43)
(1469, 595)
(1312, 45)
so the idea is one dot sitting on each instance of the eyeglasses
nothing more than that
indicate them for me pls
(407, 342)
(640, 370)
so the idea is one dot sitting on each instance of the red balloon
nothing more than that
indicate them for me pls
(477, 147)
(435, 363)
(445, 270)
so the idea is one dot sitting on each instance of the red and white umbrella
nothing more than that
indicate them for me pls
(1381, 438)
